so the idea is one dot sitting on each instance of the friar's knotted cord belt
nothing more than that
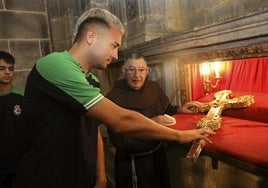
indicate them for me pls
(133, 167)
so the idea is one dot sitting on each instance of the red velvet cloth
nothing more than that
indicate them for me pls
(248, 75)
(256, 112)
(241, 139)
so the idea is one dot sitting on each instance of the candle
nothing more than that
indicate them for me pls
(216, 66)
(205, 70)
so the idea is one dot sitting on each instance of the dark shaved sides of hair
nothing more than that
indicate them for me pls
(92, 21)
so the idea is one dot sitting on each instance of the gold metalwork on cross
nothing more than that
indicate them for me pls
(212, 120)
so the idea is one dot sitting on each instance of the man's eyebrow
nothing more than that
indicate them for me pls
(139, 67)
(2, 66)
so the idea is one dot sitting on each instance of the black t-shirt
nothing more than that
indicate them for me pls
(60, 146)
(10, 129)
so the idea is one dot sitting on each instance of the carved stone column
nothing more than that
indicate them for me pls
(150, 19)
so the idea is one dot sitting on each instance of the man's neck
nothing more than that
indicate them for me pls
(5, 88)
(81, 57)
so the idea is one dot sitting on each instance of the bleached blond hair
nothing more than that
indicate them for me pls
(96, 16)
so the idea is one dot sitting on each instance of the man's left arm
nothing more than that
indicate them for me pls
(101, 173)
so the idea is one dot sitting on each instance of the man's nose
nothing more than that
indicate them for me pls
(137, 73)
(7, 71)
(115, 54)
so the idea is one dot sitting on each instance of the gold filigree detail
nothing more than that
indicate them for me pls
(221, 102)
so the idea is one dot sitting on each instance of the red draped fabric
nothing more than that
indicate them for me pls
(246, 75)
(241, 139)
(196, 82)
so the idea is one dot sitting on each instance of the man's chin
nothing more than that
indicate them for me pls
(135, 87)
(5, 82)
(103, 67)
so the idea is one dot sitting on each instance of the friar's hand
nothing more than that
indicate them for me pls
(189, 107)
(164, 120)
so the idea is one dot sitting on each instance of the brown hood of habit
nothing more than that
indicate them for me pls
(149, 100)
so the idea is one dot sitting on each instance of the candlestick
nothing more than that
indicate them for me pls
(216, 66)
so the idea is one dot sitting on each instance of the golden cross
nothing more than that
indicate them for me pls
(212, 120)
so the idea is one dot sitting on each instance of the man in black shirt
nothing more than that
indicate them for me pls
(10, 120)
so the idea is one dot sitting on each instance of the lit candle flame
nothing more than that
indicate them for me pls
(205, 70)
(217, 67)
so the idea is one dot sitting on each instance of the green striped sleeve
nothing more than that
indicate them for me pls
(60, 69)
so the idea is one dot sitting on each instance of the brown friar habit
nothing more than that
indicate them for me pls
(151, 101)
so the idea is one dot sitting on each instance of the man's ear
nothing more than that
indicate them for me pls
(90, 36)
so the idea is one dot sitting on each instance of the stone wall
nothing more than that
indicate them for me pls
(31, 29)
(197, 14)
(24, 33)
(146, 20)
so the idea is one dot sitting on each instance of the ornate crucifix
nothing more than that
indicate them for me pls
(212, 120)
